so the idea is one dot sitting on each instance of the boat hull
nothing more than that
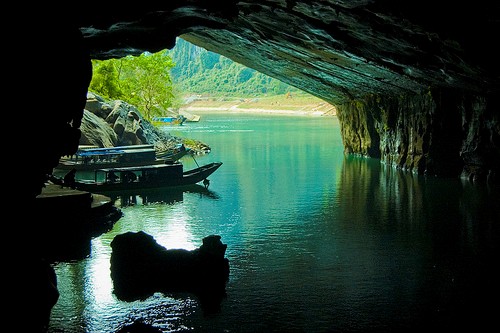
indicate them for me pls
(135, 179)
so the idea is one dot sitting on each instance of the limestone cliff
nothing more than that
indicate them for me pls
(422, 134)
(117, 123)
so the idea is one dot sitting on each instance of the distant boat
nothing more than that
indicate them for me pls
(91, 158)
(133, 179)
(168, 121)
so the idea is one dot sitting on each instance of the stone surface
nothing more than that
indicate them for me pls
(117, 123)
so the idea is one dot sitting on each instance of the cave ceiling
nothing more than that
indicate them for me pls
(338, 50)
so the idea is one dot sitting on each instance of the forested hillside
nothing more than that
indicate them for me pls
(160, 83)
(200, 71)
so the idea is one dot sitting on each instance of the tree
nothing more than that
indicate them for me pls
(143, 81)
(245, 74)
(105, 79)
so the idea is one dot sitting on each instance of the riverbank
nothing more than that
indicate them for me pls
(306, 105)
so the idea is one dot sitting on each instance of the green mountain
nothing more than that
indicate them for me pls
(199, 71)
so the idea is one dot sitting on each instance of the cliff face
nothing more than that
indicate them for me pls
(441, 133)
(116, 123)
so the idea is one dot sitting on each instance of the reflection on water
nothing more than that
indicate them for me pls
(168, 195)
(317, 242)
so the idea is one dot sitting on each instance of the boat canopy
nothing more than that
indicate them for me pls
(110, 151)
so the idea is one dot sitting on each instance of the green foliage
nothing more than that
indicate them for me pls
(156, 82)
(142, 81)
(105, 79)
(199, 71)
(209, 59)
(244, 75)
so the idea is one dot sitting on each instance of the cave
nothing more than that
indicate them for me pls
(416, 85)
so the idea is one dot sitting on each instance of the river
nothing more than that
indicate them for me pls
(316, 241)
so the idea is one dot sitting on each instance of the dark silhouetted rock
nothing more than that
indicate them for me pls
(141, 267)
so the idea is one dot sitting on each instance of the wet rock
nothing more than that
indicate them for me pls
(141, 267)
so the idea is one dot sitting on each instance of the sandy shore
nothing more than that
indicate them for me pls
(330, 111)
(195, 110)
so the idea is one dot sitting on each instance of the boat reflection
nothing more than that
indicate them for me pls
(167, 195)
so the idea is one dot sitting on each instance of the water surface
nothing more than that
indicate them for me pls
(317, 241)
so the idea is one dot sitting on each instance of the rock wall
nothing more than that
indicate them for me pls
(117, 123)
(422, 134)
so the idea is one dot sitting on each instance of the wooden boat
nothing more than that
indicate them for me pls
(168, 121)
(89, 159)
(133, 179)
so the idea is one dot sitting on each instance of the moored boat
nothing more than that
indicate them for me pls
(168, 121)
(143, 177)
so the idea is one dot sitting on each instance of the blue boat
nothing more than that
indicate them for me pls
(168, 121)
